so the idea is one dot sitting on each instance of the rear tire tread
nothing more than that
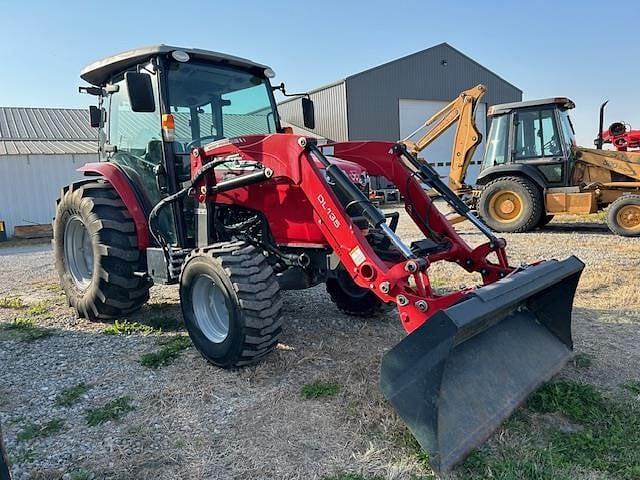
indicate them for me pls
(114, 290)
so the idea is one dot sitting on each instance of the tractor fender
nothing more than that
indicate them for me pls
(512, 170)
(127, 193)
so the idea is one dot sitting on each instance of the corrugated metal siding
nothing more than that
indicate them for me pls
(373, 95)
(47, 147)
(330, 105)
(30, 185)
(45, 124)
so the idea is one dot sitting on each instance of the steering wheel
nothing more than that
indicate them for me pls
(198, 141)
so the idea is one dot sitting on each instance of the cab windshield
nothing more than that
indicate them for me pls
(210, 102)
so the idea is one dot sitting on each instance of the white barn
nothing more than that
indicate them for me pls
(40, 150)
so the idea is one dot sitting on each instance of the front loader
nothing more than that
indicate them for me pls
(200, 186)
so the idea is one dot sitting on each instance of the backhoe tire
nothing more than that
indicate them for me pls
(351, 298)
(623, 216)
(511, 204)
(96, 252)
(231, 303)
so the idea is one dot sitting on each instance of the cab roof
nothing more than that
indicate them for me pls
(562, 102)
(99, 73)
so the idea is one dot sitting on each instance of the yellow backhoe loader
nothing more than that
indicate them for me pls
(532, 167)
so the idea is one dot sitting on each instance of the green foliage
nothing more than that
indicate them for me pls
(582, 360)
(70, 396)
(633, 387)
(14, 303)
(168, 353)
(128, 328)
(34, 430)
(114, 410)
(606, 439)
(25, 329)
(576, 401)
(319, 390)
(352, 476)
(80, 474)
(38, 309)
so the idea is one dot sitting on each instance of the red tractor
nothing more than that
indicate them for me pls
(618, 134)
(198, 185)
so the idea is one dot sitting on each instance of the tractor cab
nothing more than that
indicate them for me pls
(534, 138)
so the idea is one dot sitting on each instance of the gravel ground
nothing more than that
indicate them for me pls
(191, 420)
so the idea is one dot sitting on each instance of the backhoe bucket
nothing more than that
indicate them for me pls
(456, 378)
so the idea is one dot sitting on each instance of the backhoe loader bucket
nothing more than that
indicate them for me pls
(456, 378)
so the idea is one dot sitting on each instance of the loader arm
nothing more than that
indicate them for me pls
(467, 136)
(472, 354)
(623, 163)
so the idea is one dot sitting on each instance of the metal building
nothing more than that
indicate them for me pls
(390, 101)
(40, 150)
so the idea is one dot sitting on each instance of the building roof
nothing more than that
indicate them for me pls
(98, 73)
(45, 131)
(406, 57)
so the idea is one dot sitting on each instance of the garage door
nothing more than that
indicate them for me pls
(413, 113)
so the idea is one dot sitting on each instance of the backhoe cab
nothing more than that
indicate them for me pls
(199, 185)
(533, 170)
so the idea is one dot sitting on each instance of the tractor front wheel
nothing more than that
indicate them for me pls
(352, 299)
(231, 303)
(623, 216)
(96, 252)
(511, 204)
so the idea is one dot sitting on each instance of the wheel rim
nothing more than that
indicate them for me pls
(210, 309)
(628, 217)
(78, 252)
(506, 206)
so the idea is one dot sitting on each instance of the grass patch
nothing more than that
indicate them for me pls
(38, 309)
(633, 387)
(319, 390)
(352, 476)
(14, 303)
(170, 350)
(607, 442)
(583, 360)
(411, 444)
(128, 328)
(34, 430)
(165, 323)
(71, 396)
(25, 329)
(114, 410)
(80, 474)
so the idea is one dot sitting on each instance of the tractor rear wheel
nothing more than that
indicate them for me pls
(623, 216)
(511, 204)
(96, 252)
(352, 299)
(231, 303)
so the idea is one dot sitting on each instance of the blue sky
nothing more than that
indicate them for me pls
(581, 49)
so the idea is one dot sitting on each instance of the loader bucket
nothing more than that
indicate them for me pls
(457, 377)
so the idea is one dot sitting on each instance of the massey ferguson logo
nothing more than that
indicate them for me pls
(332, 216)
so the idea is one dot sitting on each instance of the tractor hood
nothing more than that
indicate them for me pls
(356, 173)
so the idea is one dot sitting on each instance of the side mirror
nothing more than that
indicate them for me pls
(140, 92)
(95, 116)
(308, 113)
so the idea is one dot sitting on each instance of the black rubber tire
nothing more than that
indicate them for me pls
(4, 460)
(612, 215)
(114, 289)
(252, 296)
(544, 220)
(351, 298)
(532, 208)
